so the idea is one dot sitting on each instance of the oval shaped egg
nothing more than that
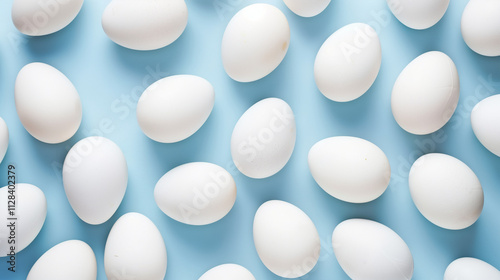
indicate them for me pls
(72, 259)
(47, 103)
(348, 62)
(131, 236)
(145, 24)
(30, 211)
(196, 193)
(174, 108)
(255, 42)
(263, 139)
(481, 26)
(307, 8)
(349, 168)
(95, 178)
(485, 119)
(471, 269)
(426, 93)
(227, 272)
(420, 14)
(446, 191)
(4, 139)
(38, 18)
(369, 250)
(286, 239)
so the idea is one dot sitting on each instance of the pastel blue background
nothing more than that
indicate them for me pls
(107, 75)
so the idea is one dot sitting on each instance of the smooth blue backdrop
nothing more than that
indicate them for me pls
(110, 78)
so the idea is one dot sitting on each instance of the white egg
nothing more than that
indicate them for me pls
(420, 14)
(481, 26)
(307, 8)
(196, 193)
(174, 108)
(132, 236)
(446, 191)
(47, 103)
(145, 24)
(38, 18)
(72, 259)
(471, 269)
(4, 139)
(349, 168)
(95, 178)
(263, 139)
(255, 42)
(348, 62)
(227, 272)
(485, 119)
(369, 250)
(30, 211)
(286, 239)
(426, 93)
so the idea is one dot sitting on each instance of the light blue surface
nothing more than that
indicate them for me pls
(107, 75)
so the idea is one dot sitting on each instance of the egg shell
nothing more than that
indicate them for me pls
(420, 14)
(95, 178)
(426, 93)
(369, 250)
(481, 26)
(446, 191)
(227, 272)
(174, 108)
(307, 8)
(263, 139)
(72, 259)
(286, 239)
(145, 24)
(47, 103)
(38, 18)
(255, 42)
(4, 139)
(30, 211)
(471, 269)
(132, 236)
(350, 168)
(485, 119)
(196, 193)
(348, 62)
